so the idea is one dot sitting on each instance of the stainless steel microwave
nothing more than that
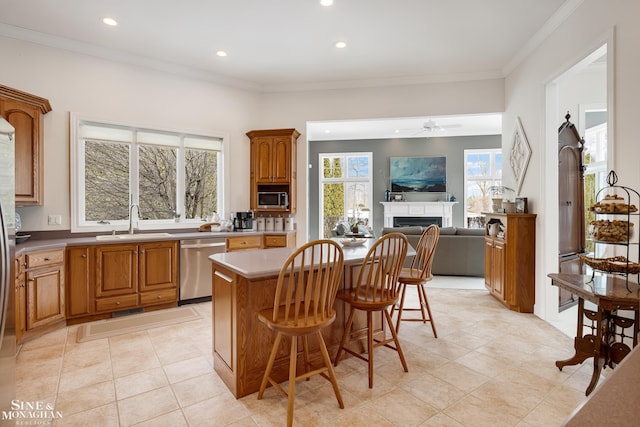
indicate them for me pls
(273, 200)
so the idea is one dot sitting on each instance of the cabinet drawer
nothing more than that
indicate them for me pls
(42, 258)
(275, 241)
(116, 303)
(243, 242)
(159, 297)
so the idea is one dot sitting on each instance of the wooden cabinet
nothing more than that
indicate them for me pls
(494, 266)
(131, 275)
(25, 113)
(279, 240)
(108, 278)
(158, 273)
(259, 241)
(21, 299)
(273, 165)
(273, 159)
(510, 260)
(117, 271)
(79, 292)
(45, 287)
(241, 243)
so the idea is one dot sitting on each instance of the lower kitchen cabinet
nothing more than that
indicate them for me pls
(257, 241)
(242, 243)
(109, 278)
(45, 288)
(280, 240)
(21, 299)
(79, 292)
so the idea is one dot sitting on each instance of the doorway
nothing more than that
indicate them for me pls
(582, 90)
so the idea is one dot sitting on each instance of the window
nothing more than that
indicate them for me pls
(173, 177)
(595, 174)
(483, 169)
(345, 190)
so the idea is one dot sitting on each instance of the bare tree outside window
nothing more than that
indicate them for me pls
(201, 182)
(106, 181)
(157, 170)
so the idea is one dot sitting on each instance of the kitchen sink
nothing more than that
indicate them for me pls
(135, 236)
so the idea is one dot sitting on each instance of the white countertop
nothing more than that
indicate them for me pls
(268, 262)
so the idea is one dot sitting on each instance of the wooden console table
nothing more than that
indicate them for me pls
(609, 337)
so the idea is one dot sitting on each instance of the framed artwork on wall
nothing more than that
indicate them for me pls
(418, 174)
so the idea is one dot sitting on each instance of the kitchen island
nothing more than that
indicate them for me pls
(244, 283)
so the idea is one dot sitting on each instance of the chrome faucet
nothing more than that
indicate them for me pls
(131, 216)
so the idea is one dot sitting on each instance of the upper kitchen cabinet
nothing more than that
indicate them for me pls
(25, 113)
(273, 166)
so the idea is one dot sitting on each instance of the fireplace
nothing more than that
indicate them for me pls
(418, 213)
(424, 221)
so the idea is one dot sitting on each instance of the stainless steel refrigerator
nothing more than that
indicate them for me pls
(7, 280)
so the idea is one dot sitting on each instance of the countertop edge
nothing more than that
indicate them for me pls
(58, 243)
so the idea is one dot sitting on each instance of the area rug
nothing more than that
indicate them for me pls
(134, 323)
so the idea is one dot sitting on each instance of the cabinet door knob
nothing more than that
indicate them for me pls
(158, 297)
(83, 256)
(117, 302)
(47, 259)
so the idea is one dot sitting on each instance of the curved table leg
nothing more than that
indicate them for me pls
(598, 363)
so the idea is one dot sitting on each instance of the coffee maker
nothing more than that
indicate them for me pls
(243, 221)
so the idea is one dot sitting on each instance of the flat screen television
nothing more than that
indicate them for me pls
(418, 174)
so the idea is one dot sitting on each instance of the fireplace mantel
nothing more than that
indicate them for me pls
(442, 210)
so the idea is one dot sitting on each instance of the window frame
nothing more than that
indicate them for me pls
(345, 180)
(495, 175)
(78, 225)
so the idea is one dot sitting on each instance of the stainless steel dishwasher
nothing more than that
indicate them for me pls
(195, 268)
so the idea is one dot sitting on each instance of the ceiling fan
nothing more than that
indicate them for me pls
(431, 126)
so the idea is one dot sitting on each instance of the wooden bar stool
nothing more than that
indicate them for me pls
(303, 306)
(418, 274)
(374, 291)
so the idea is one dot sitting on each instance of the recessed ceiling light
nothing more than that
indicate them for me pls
(327, 131)
(326, 2)
(341, 45)
(110, 21)
(221, 53)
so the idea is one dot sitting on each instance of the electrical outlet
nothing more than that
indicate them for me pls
(55, 220)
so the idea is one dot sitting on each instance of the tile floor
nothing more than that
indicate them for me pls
(489, 367)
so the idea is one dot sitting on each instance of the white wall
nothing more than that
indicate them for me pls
(123, 93)
(585, 30)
